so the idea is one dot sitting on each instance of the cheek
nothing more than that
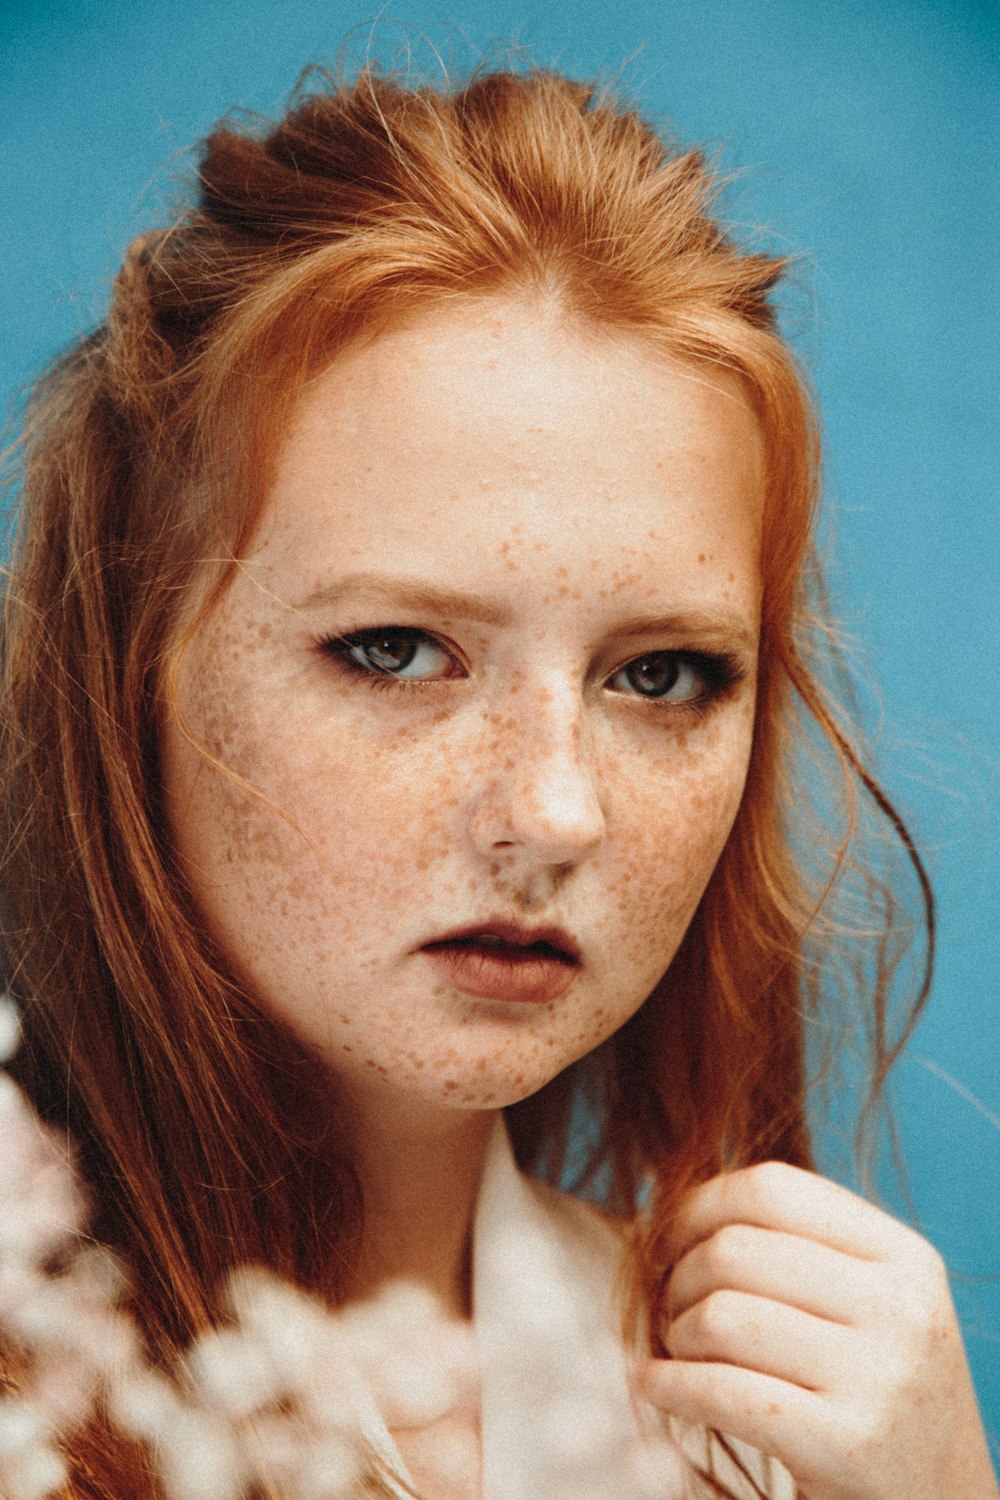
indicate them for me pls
(291, 831)
(672, 815)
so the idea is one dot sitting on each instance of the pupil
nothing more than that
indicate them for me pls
(653, 675)
(392, 653)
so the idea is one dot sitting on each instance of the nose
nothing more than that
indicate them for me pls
(537, 797)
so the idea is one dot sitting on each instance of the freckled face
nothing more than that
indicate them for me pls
(491, 656)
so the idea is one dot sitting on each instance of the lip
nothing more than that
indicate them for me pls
(512, 932)
(537, 975)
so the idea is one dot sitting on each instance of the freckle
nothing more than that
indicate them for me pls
(701, 557)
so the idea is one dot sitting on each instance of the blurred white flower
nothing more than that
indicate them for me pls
(286, 1397)
(31, 1466)
(418, 1364)
(281, 1377)
(41, 1206)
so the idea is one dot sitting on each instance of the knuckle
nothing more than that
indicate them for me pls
(726, 1250)
(864, 1433)
(768, 1180)
(712, 1318)
(934, 1268)
(895, 1370)
(923, 1259)
(923, 1294)
(698, 1332)
(737, 1242)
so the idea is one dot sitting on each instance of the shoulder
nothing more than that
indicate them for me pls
(589, 1239)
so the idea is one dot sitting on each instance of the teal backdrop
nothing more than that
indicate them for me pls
(865, 137)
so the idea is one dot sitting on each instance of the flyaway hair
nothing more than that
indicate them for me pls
(206, 1134)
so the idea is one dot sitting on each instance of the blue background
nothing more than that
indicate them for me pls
(867, 131)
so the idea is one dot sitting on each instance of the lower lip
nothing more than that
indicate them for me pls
(499, 974)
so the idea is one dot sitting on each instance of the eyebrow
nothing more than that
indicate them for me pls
(720, 626)
(408, 593)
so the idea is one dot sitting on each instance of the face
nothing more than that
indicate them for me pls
(478, 704)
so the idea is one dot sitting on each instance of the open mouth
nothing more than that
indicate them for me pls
(506, 966)
(490, 943)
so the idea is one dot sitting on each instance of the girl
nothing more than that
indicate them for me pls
(409, 669)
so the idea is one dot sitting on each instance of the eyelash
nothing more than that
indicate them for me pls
(720, 671)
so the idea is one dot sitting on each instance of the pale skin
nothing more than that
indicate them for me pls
(818, 1328)
(561, 526)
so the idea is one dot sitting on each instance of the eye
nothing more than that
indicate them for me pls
(673, 676)
(396, 651)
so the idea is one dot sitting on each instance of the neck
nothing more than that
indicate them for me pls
(420, 1173)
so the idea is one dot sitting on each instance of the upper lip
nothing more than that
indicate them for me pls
(512, 932)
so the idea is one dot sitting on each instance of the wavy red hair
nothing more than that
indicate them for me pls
(205, 1132)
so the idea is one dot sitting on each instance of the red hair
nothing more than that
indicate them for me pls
(147, 459)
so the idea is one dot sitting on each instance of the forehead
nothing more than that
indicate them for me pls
(502, 423)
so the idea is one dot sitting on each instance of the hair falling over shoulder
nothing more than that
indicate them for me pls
(204, 1133)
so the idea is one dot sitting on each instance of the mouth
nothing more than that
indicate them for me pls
(506, 961)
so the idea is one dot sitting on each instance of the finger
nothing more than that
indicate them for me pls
(754, 1333)
(769, 1414)
(768, 1263)
(774, 1195)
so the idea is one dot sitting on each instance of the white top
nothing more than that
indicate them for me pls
(547, 1319)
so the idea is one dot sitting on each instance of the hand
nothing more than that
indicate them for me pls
(818, 1329)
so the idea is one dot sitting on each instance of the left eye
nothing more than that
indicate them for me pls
(662, 674)
(401, 653)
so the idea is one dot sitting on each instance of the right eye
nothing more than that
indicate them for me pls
(397, 652)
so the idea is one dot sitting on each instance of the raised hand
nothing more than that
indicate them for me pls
(814, 1326)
